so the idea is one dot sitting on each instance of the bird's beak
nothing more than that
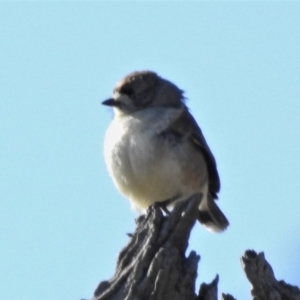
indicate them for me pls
(110, 102)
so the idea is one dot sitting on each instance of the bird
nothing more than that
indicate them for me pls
(155, 151)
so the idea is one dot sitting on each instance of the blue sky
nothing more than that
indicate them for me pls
(62, 221)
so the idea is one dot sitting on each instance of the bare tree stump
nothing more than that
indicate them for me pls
(209, 291)
(153, 265)
(261, 276)
(227, 297)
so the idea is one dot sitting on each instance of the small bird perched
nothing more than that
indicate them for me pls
(156, 152)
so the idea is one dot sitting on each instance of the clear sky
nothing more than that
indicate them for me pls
(62, 220)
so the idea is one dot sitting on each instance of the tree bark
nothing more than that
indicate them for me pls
(153, 266)
(261, 276)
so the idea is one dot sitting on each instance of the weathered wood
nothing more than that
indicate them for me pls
(154, 266)
(261, 276)
(209, 291)
(227, 297)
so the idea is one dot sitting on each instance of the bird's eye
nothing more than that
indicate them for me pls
(127, 91)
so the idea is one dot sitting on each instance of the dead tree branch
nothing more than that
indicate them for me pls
(153, 265)
(261, 276)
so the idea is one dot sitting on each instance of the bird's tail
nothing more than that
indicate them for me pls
(212, 217)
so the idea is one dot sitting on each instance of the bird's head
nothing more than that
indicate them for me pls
(141, 90)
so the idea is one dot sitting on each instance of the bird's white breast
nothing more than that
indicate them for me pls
(138, 160)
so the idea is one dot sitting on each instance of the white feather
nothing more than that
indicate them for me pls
(141, 166)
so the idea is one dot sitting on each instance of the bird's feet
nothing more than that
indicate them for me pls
(163, 205)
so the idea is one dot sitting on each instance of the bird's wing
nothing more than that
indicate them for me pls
(184, 127)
